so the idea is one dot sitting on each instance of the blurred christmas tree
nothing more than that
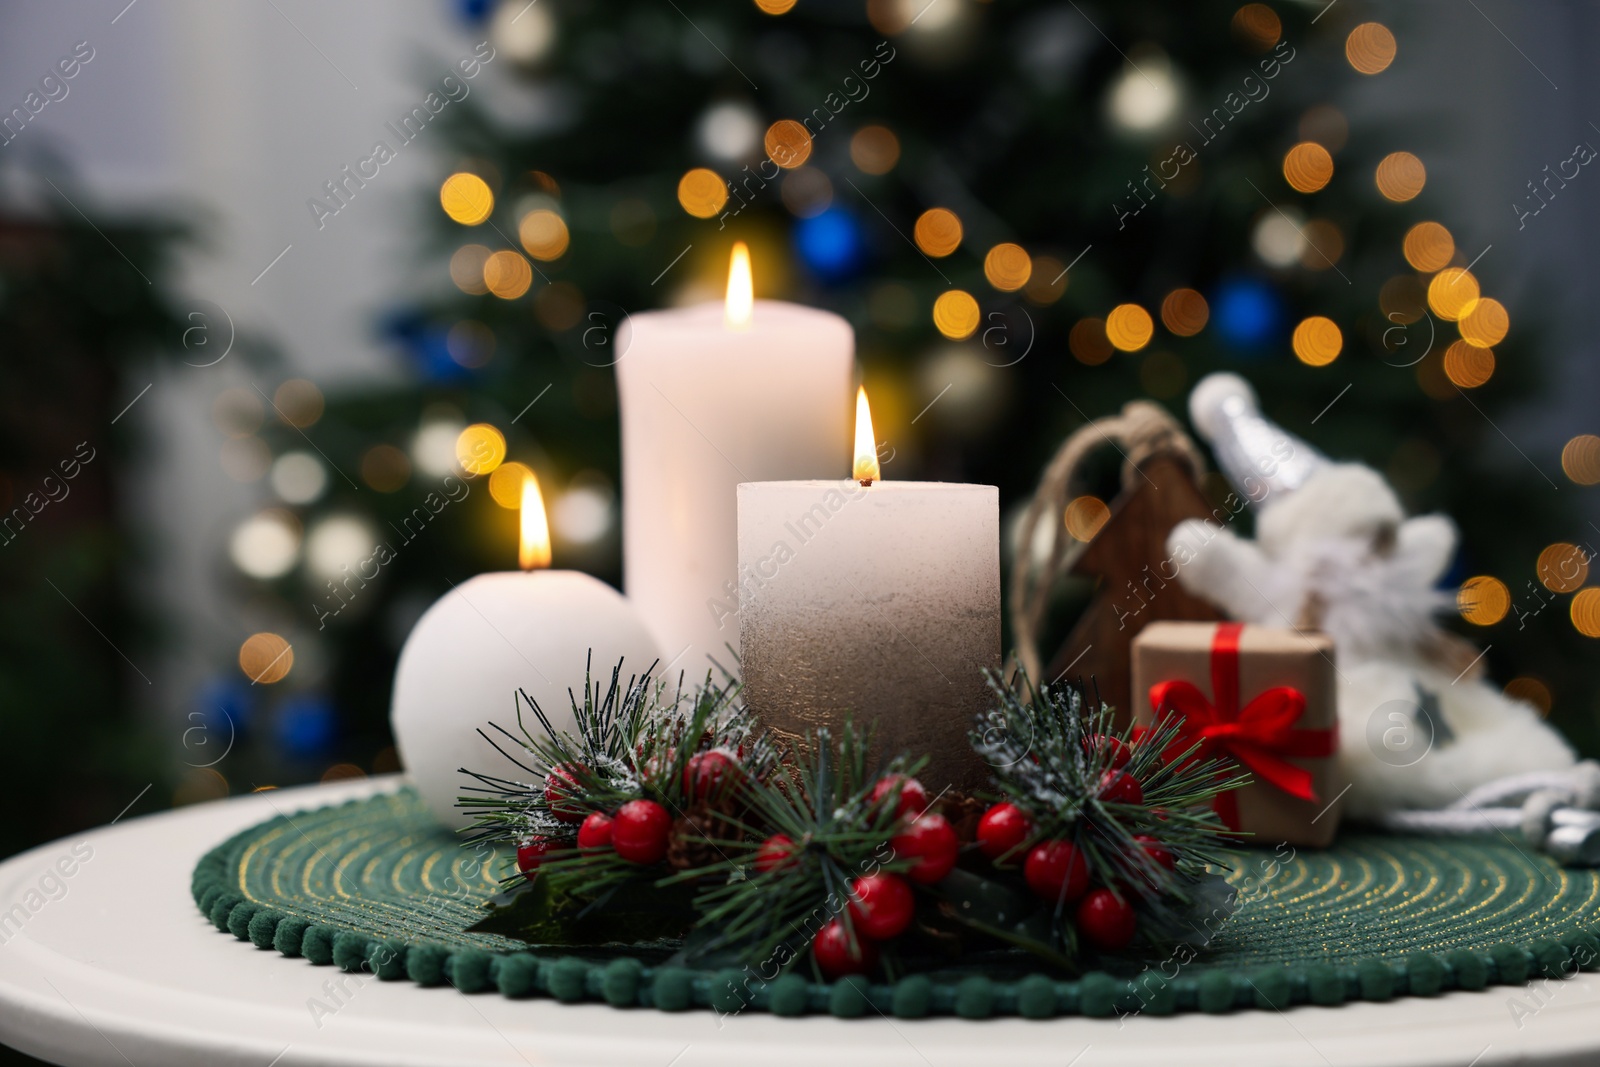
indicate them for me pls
(1031, 212)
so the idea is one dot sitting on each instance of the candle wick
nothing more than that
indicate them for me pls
(866, 482)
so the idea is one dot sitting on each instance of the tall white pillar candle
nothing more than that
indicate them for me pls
(881, 602)
(708, 401)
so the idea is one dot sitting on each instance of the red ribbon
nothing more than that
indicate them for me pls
(1259, 735)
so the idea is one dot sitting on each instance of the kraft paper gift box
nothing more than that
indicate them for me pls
(1263, 697)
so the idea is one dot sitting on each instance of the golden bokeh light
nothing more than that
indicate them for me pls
(1452, 293)
(466, 269)
(788, 143)
(1185, 312)
(1468, 366)
(775, 7)
(1048, 282)
(1563, 567)
(1531, 691)
(1317, 341)
(505, 484)
(875, 149)
(1586, 612)
(507, 274)
(1307, 167)
(343, 772)
(544, 234)
(1129, 327)
(1088, 342)
(1400, 176)
(702, 192)
(1257, 26)
(466, 198)
(1428, 247)
(1084, 517)
(1486, 323)
(1370, 48)
(1324, 244)
(937, 232)
(1580, 459)
(1326, 125)
(480, 448)
(265, 658)
(385, 468)
(1008, 267)
(955, 313)
(298, 403)
(1483, 601)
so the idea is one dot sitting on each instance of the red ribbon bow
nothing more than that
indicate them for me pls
(1259, 735)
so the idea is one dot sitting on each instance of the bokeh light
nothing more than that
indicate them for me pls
(1468, 366)
(1048, 281)
(806, 192)
(507, 274)
(1146, 94)
(788, 143)
(1580, 459)
(586, 512)
(702, 192)
(265, 658)
(1088, 342)
(466, 269)
(298, 403)
(1317, 341)
(1008, 267)
(1307, 167)
(480, 449)
(1428, 246)
(1563, 567)
(1400, 176)
(1324, 245)
(775, 7)
(1129, 327)
(1184, 312)
(385, 468)
(246, 459)
(1486, 323)
(544, 234)
(729, 131)
(1370, 48)
(1586, 612)
(1531, 691)
(1403, 299)
(875, 149)
(466, 198)
(1278, 238)
(955, 313)
(1483, 601)
(505, 484)
(298, 477)
(338, 542)
(1452, 293)
(937, 232)
(1084, 517)
(266, 545)
(1257, 26)
(238, 412)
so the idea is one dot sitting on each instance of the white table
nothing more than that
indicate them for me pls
(122, 970)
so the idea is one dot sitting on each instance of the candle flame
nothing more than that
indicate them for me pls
(866, 467)
(534, 551)
(741, 287)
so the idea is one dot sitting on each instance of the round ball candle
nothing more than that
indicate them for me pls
(533, 630)
(878, 601)
(711, 396)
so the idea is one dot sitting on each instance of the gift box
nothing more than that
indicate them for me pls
(1262, 697)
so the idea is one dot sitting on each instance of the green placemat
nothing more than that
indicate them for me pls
(375, 885)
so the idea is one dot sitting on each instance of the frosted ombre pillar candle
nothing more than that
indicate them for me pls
(878, 601)
(712, 396)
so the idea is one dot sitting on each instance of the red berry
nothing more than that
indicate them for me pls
(1056, 872)
(1105, 921)
(913, 797)
(837, 957)
(775, 852)
(1120, 787)
(560, 788)
(639, 831)
(1157, 851)
(1105, 744)
(881, 905)
(533, 853)
(707, 773)
(1002, 829)
(595, 831)
(932, 842)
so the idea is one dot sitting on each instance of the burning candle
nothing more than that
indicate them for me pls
(876, 600)
(533, 629)
(712, 396)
